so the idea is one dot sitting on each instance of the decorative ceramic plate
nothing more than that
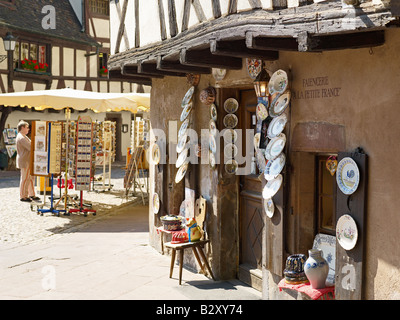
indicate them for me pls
(230, 150)
(156, 203)
(347, 175)
(276, 126)
(230, 135)
(213, 112)
(275, 147)
(278, 82)
(213, 127)
(155, 153)
(274, 167)
(254, 67)
(230, 121)
(207, 96)
(181, 158)
(327, 244)
(213, 144)
(186, 111)
(272, 187)
(269, 207)
(260, 160)
(231, 166)
(261, 111)
(280, 104)
(188, 96)
(231, 105)
(346, 232)
(181, 143)
(183, 128)
(181, 172)
(218, 74)
(211, 159)
(256, 140)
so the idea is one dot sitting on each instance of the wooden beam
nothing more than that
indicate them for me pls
(115, 75)
(238, 48)
(232, 6)
(204, 58)
(132, 70)
(178, 67)
(121, 26)
(270, 43)
(308, 42)
(173, 26)
(216, 8)
(161, 15)
(150, 69)
(137, 25)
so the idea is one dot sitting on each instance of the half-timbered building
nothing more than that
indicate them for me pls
(60, 44)
(341, 61)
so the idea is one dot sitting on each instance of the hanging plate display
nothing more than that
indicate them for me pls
(156, 203)
(207, 96)
(218, 74)
(211, 159)
(254, 67)
(181, 158)
(275, 147)
(260, 160)
(278, 82)
(256, 141)
(346, 232)
(213, 127)
(188, 96)
(230, 121)
(274, 167)
(181, 143)
(261, 111)
(348, 175)
(181, 172)
(230, 150)
(230, 135)
(279, 105)
(269, 207)
(155, 153)
(213, 144)
(186, 111)
(183, 128)
(213, 112)
(231, 166)
(276, 126)
(272, 187)
(231, 105)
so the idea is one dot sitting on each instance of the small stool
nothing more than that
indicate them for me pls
(197, 248)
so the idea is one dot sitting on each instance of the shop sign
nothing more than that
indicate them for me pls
(316, 88)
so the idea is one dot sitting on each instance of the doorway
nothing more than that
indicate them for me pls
(251, 216)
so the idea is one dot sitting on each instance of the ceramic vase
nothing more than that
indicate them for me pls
(316, 269)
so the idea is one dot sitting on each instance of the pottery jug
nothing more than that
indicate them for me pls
(316, 269)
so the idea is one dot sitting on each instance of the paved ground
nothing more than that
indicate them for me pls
(103, 257)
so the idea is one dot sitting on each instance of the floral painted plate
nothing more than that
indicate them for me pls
(181, 143)
(256, 140)
(213, 127)
(278, 82)
(156, 203)
(261, 111)
(213, 144)
(213, 112)
(230, 121)
(231, 105)
(231, 166)
(346, 232)
(181, 158)
(218, 74)
(269, 207)
(186, 111)
(279, 105)
(254, 67)
(181, 172)
(276, 126)
(274, 167)
(275, 147)
(347, 175)
(211, 159)
(183, 128)
(230, 135)
(188, 96)
(272, 187)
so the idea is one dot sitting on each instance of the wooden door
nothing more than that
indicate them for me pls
(251, 211)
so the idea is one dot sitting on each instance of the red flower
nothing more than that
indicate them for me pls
(23, 62)
(34, 61)
(36, 67)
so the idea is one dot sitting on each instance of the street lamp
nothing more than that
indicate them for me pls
(9, 42)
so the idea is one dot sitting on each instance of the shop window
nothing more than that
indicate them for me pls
(325, 197)
(32, 56)
(99, 7)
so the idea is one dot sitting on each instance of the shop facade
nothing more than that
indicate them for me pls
(343, 104)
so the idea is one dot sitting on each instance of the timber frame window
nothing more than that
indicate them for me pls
(32, 56)
(100, 7)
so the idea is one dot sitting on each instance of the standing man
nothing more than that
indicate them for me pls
(26, 186)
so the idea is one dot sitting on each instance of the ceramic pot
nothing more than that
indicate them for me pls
(294, 270)
(316, 269)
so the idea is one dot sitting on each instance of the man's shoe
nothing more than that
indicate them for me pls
(35, 198)
(26, 200)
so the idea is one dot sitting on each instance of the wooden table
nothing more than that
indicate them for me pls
(163, 231)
